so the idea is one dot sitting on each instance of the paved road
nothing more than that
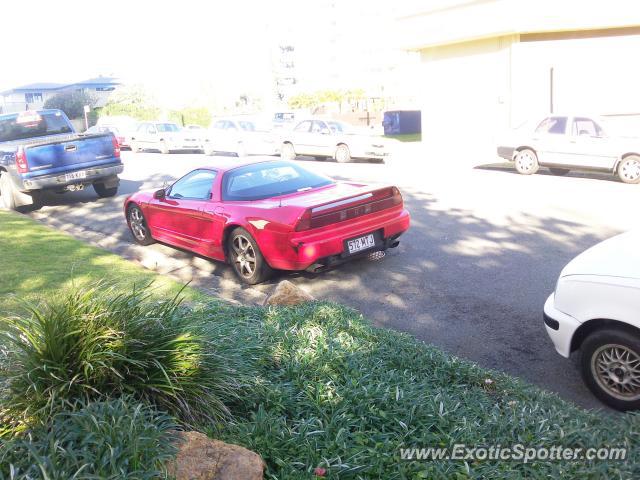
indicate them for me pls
(471, 276)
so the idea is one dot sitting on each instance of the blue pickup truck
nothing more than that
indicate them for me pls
(41, 151)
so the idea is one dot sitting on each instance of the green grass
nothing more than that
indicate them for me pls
(406, 137)
(329, 390)
(38, 261)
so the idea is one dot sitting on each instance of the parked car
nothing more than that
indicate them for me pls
(330, 138)
(572, 142)
(124, 124)
(240, 137)
(595, 310)
(122, 142)
(283, 120)
(39, 150)
(265, 215)
(166, 137)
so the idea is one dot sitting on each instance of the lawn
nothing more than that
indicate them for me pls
(317, 385)
(38, 261)
(406, 137)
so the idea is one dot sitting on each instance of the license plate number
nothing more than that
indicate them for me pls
(75, 175)
(361, 243)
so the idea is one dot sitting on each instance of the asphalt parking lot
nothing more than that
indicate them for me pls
(471, 275)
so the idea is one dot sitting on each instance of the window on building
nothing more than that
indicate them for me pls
(33, 97)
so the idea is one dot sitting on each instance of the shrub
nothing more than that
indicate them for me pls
(108, 440)
(71, 103)
(96, 343)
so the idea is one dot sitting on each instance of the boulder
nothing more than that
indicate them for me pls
(202, 458)
(286, 293)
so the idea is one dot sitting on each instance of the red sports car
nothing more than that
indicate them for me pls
(261, 215)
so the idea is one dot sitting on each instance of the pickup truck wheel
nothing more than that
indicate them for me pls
(7, 197)
(343, 155)
(105, 192)
(246, 259)
(629, 169)
(287, 152)
(559, 171)
(526, 162)
(138, 225)
(610, 364)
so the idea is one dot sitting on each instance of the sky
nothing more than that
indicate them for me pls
(180, 49)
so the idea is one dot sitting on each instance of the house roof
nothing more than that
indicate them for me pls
(35, 87)
(97, 82)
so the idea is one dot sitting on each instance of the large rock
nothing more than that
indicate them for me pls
(286, 293)
(202, 458)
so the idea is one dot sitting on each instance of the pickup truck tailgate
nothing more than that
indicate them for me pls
(71, 153)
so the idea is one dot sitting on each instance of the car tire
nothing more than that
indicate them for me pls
(526, 162)
(138, 225)
(629, 169)
(605, 361)
(135, 148)
(342, 155)
(246, 259)
(287, 152)
(164, 149)
(105, 192)
(7, 196)
(559, 171)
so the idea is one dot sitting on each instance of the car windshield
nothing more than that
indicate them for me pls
(247, 126)
(269, 179)
(31, 124)
(167, 127)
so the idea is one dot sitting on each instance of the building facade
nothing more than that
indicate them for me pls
(491, 65)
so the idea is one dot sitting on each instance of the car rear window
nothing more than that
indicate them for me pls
(20, 126)
(167, 127)
(269, 179)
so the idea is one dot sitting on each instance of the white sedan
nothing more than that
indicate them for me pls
(595, 309)
(330, 139)
(240, 137)
(572, 142)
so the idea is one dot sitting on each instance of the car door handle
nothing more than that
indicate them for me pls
(70, 148)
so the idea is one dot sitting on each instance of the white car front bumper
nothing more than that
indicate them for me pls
(560, 326)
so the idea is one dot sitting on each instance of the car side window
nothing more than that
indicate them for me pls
(303, 126)
(231, 126)
(553, 125)
(142, 127)
(318, 127)
(220, 124)
(196, 185)
(586, 126)
(151, 129)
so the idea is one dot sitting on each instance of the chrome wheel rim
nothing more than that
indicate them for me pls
(631, 170)
(616, 368)
(245, 256)
(525, 161)
(136, 220)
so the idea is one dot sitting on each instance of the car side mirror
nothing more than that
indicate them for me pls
(160, 194)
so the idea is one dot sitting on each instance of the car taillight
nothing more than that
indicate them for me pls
(116, 146)
(21, 161)
(304, 222)
(397, 196)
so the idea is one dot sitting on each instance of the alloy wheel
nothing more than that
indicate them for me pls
(138, 226)
(525, 161)
(245, 256)
(616, 368)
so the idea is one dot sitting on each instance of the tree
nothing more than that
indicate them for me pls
(132, 101)
(71, 103)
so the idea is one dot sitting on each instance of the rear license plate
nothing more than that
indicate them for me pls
(361, 243)
(75, 175)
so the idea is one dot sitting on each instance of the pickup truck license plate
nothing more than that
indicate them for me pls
(361, 243)
(75, 175)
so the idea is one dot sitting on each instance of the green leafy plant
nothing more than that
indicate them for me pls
(71, 103)
(108, 440)
(95, 343)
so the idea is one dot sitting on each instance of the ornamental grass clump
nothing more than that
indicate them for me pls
(98, 343)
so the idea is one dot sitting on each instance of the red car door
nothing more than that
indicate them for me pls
(178, 217)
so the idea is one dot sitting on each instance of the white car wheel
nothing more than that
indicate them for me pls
(287, 152)
(629, 169)
(343, 155)
(526, 162)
